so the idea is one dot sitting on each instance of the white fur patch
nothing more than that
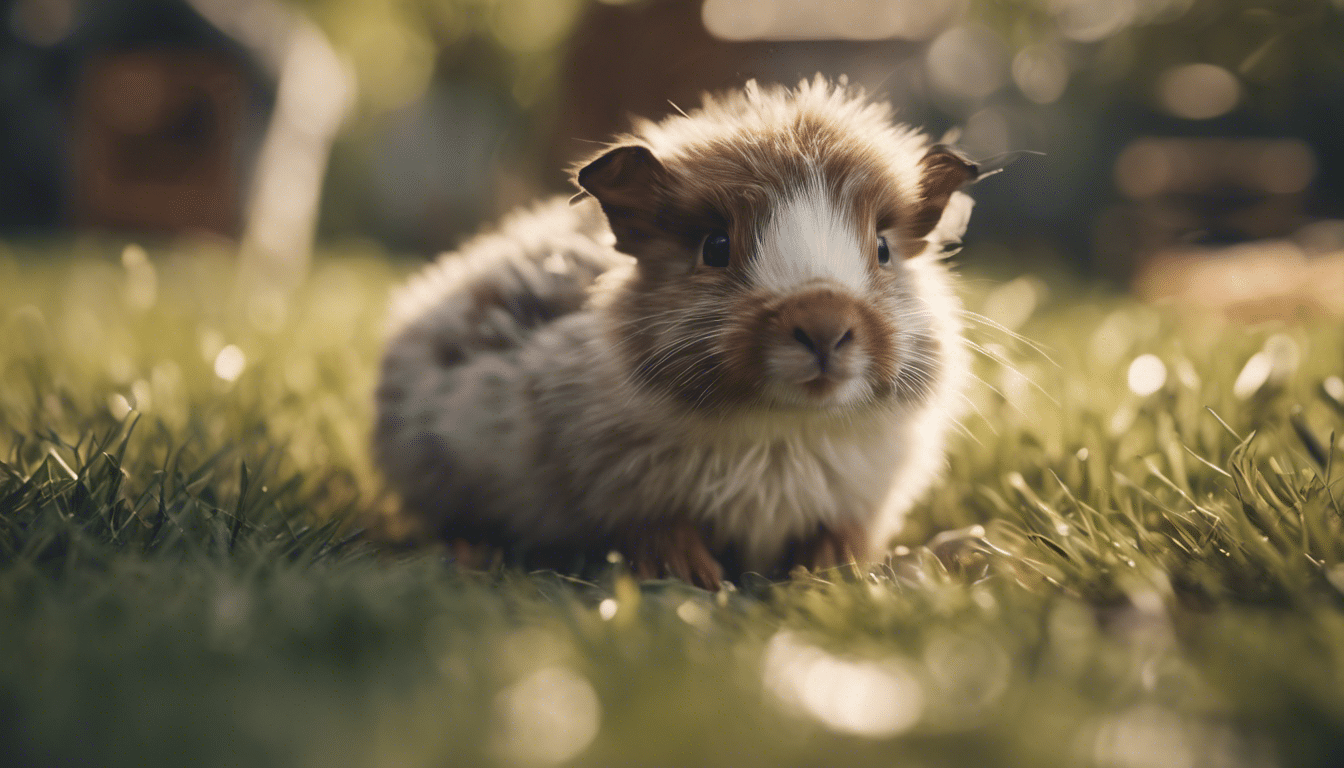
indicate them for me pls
(952, 225)
(810, 236)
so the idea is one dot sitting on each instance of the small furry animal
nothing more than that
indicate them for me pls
(737, 349)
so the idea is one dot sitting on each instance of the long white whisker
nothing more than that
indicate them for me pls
(1036, 347)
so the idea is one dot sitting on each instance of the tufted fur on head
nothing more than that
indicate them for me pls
(763, 371)
(802, 183)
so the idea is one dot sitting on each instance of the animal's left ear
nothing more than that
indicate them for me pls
(942, 172)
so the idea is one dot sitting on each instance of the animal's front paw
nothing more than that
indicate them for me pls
(832, 545)
(672, 547)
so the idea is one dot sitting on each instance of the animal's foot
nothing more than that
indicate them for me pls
(831, 546)
(672, 547)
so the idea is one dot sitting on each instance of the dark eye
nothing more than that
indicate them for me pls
(883, 252)
(715, 250)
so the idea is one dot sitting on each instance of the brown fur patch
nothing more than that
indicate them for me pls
(943, 172)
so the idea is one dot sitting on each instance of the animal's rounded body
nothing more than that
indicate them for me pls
(741, 347)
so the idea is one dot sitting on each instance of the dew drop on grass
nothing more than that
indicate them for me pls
(1274, 365)
(1147, 374)
(119, 406)
(229, 363)
(1253, 376)
(1334, 387)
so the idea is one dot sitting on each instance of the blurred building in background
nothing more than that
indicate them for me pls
(1165, 124)
(156, 123)
(167, 117)
(127, 116)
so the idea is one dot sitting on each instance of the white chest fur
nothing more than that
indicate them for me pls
(757, 480)
(773, 478)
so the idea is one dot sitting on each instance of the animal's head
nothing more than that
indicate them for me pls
(772, 230)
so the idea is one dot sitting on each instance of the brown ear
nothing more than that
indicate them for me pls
(626, 177)
(942, 172)
(628, 182)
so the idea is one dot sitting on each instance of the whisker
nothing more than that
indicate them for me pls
(1036, 347)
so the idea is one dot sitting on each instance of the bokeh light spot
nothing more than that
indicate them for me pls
(229, 363)
(119, 406)
(1198, 91)
(548, 717)
(1041, 73)
(875, 699)
(695, 614)
(967, 62)
(42, 22)
(1147, 374)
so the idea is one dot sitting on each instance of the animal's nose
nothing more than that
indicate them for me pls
(823, 340)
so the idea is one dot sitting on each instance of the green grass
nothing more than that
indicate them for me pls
(1155, 580)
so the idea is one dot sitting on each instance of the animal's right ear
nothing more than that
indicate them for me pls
(628, 182)
(625, 177)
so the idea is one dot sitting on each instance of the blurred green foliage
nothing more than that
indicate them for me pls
(395, 45)
(1279, 49)
(1139, 569)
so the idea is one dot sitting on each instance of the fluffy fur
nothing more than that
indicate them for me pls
(584, 378)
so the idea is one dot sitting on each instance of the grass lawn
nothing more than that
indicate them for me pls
(1122, 579)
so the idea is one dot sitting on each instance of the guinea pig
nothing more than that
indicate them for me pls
(738, 348)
